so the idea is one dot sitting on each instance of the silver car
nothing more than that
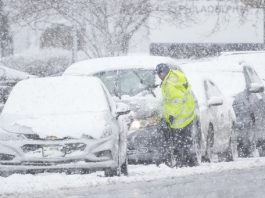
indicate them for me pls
(63, 124)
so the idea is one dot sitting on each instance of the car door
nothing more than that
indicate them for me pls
(220, 121)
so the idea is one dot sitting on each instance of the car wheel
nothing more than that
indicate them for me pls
(254, 150)
(261, 147)
(233, 145)
(171, 160)
(122, 168)
(197, 144)
(231, 154)
(210, 156)
(4, 174)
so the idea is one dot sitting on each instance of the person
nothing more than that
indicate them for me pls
(178, 115)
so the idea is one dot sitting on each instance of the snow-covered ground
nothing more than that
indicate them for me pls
(46, 182)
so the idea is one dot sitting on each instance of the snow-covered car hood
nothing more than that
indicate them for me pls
(59, 126)
(143, 107)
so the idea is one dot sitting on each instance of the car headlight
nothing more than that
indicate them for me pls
(136, 124)
(151, 121)
(6, 136)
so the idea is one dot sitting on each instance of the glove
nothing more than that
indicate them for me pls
(162, 125)
(186, 85)
(171, 119)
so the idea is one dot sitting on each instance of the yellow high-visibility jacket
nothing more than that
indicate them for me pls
(178, 101)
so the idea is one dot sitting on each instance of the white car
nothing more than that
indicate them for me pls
(63, 123)
(132, 79)
(216, 119)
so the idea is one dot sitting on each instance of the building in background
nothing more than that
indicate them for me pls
(214, 27)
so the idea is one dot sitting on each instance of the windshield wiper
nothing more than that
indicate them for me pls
(148, 87)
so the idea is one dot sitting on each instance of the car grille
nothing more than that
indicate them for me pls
(52, 150)
(6, 157)
(32, 136)
(37, 137)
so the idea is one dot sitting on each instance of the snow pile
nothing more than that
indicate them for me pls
(16, 184)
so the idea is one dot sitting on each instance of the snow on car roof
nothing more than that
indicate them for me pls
(92, 66)
(254, 59)
(13, 74)
(56, 95)
(226, 72)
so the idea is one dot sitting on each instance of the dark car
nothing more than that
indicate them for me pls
(249, 107)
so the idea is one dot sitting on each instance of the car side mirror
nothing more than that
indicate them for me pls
(122, 109)
(255, 88)
(215, 101)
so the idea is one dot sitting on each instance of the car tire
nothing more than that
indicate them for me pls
(4, 174)
(231, 154)
(209, 156)
(197, 143)
(171, 161)
(122, 168)
(233, 145)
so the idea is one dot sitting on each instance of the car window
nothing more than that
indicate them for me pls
(132, 82)
(211, 89)
(109, 78)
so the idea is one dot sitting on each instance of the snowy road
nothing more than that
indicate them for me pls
(243, 178)
(243, 184)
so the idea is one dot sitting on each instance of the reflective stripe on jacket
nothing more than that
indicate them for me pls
(178, 101)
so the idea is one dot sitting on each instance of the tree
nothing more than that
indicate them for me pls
(107, 25)
(256, 4)
(6, 40)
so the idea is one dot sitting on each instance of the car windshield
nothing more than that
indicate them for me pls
(127, 82)
(54, 96)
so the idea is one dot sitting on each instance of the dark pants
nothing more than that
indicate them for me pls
(179, 141)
